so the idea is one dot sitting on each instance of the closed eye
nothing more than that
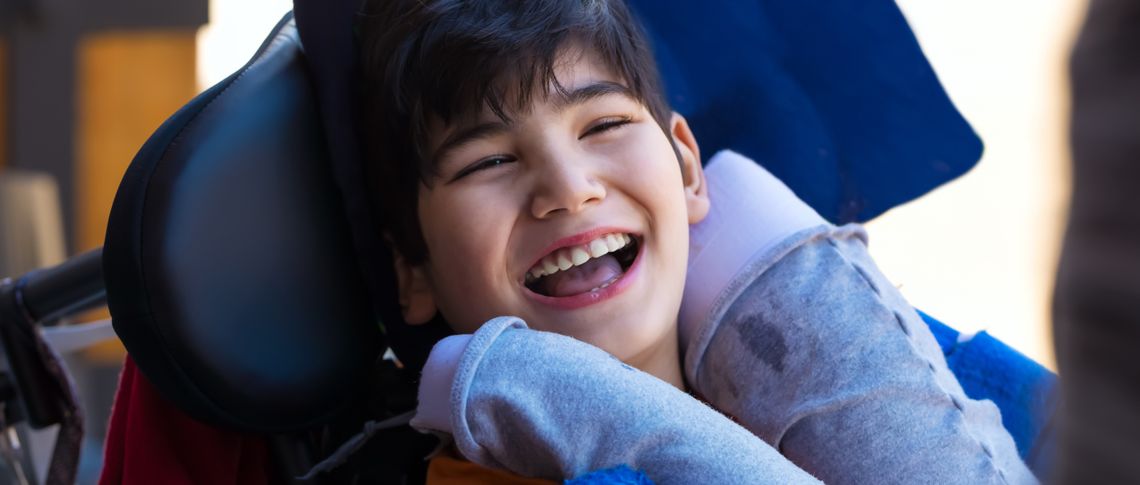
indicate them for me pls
(486, 163)
(606, 125)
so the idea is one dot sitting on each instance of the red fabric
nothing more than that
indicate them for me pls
(150, 441)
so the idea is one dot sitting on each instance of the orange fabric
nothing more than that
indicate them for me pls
(448, 469)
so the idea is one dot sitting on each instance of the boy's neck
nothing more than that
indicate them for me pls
(662, 361)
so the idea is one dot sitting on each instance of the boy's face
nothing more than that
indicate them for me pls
(588, 178)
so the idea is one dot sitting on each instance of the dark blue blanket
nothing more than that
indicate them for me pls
(834, 97)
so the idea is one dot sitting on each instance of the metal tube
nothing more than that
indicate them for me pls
(66, 289)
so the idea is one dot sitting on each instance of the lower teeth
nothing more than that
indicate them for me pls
(604, 285)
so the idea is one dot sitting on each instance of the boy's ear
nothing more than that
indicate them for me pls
(692, 173)
(417, 300)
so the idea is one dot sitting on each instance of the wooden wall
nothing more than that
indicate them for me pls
(129, 83)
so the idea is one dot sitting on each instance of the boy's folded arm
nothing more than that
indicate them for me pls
(812, 349)
(545, 405)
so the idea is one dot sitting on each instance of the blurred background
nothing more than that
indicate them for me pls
(82, 88)
(981, 252)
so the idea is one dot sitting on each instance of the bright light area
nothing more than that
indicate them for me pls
(234, 33)
(977, 254)
(981, 252)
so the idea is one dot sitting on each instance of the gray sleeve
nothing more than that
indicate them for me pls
(545, 405)
(819, 355)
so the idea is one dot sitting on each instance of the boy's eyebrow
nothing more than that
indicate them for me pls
(590, 92)
(562, 101)
(467, 135)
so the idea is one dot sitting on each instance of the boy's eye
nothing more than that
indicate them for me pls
(485, 163)
(605, 125)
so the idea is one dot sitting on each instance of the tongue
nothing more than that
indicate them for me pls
(582, 278)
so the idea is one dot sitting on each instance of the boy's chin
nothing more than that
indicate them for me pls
(656, 354)
(633, 340)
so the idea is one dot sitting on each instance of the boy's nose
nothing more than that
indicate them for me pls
(567, 188)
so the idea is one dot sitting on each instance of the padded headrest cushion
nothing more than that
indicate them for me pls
(230, 269)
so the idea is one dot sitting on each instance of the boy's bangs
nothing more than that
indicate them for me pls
(507, 85)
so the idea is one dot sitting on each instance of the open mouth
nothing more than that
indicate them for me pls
(583, 268)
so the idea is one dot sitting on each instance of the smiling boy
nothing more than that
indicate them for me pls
(526, 173)
(572, 215)
(551, 182)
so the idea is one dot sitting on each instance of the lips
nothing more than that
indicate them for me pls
(583, 268)
(566, 258)
(596, 279)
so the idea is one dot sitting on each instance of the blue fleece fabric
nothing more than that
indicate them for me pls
(618, 475)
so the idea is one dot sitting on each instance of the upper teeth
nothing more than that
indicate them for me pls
(566, 258)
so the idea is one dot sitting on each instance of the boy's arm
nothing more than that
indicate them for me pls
(788, 325)
(545, 405)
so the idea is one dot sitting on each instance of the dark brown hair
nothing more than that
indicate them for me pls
(445, 60)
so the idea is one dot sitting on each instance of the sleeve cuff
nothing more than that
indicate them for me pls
(447, 377)
(433, 412)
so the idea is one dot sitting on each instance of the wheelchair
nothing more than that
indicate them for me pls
(248, 286)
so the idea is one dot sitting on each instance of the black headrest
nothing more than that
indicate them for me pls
(229, 262)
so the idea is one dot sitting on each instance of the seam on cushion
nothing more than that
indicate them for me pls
(930, 365)
(161, 334)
